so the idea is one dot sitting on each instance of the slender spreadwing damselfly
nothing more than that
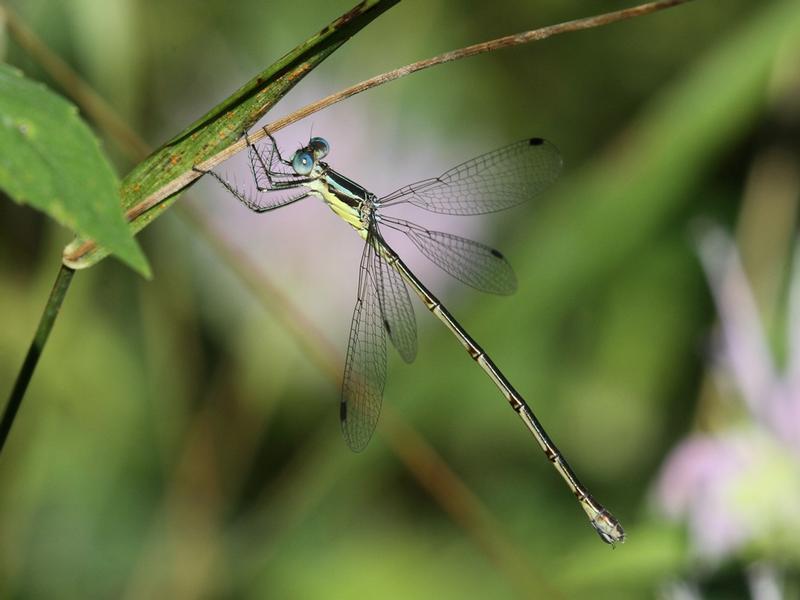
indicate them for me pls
(490, 182)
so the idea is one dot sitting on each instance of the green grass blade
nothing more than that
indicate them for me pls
(155, 177)
(52, 162)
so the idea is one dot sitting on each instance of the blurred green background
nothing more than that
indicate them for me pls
(180, 440)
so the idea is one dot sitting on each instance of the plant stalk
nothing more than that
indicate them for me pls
(59, 291)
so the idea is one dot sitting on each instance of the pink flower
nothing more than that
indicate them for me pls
(736, 487)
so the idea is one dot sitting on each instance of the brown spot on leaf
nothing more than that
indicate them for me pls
(348, 16)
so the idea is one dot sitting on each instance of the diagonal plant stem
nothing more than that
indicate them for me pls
(46, 322)
(534, 35)
(517, 39)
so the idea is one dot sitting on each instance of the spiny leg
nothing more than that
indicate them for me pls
(258, 162)
(254, 205)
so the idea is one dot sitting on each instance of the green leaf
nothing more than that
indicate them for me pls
(50, 159)
(156, 182)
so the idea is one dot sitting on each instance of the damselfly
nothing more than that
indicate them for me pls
(490, 182)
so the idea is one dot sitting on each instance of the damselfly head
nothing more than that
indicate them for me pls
(303, 162)
(319, 147)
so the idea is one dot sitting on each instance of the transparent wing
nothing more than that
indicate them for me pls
(365, 366)
(491, 182)
(475, 264)
(396, 308)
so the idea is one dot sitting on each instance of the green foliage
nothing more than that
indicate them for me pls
(198, 453)
(52, 161)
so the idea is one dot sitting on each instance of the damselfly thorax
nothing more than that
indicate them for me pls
(347, 199)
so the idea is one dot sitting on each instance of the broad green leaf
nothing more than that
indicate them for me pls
(161, 177)
(50, 160)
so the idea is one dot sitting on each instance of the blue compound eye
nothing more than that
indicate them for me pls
(319, 147)
(303, 162)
